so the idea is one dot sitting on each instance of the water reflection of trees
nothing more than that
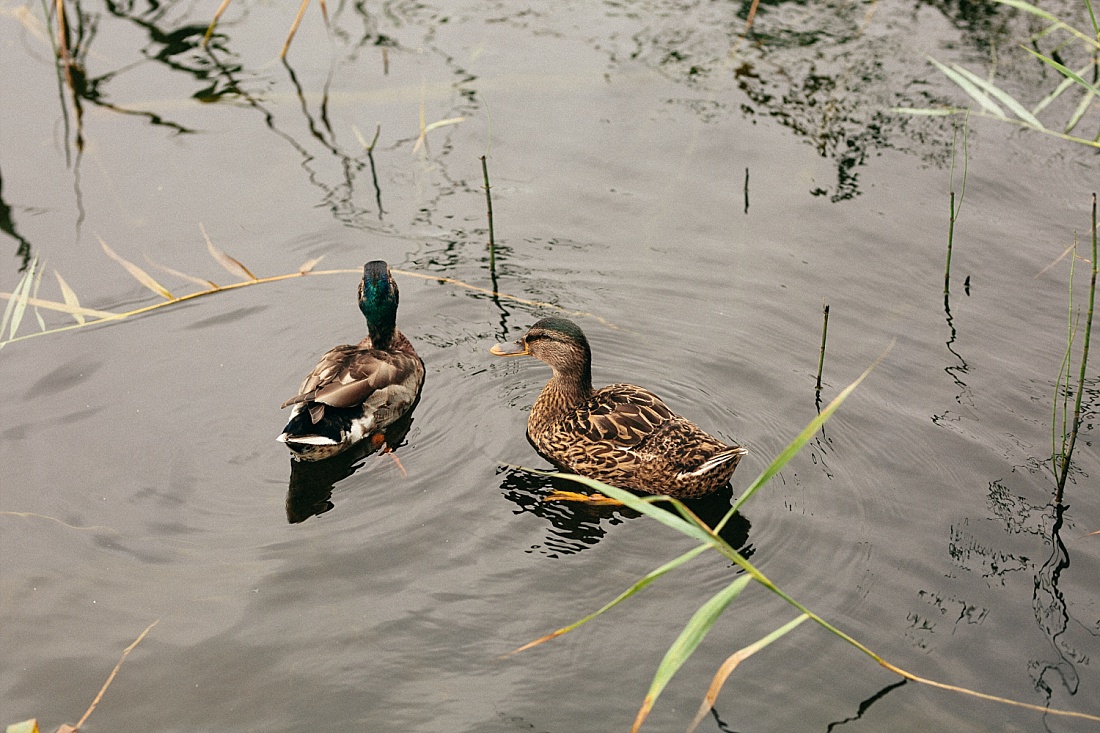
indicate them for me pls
(827, 72)
(172, 40)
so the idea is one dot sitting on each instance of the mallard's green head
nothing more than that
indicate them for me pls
(378, 300)
(560, 343)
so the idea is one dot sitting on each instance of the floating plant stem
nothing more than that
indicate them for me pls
(489, 208)
(110, 679)
(1076, 424)
(25, 293)
(954, 212)
(950, 240)
(824, 335)
(746, 190)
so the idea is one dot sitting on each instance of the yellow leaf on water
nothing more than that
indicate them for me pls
(63, 307)
(139, 274)
(70, 297)
(27, 726)
(182, 275)
(17, 304)
(34, 294)
(230, 264)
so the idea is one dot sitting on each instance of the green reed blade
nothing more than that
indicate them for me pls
(967, 86)
(1068, 73)
(687, 642)
(1058, 90)
(1029, 8)
(1082, 107)
(800, 440)
(731, 663)
(637, 587)
(1004, 97)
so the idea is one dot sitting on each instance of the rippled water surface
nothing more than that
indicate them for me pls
(693, 200)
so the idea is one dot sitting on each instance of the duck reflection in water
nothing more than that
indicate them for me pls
(312, 482)
(576, 526)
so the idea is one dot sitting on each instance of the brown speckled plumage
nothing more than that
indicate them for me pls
(622, 434)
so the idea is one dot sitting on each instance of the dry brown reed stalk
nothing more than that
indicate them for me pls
(110, 679)
(21, 297)
(290, 36)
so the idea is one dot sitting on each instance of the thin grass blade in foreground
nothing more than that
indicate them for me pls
(686, 644)
(201, 282)
(646, 580)
(34, 295)
(800, 440)
(731, 663)
(27, 726)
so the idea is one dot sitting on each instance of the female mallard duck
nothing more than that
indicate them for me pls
(623, 435)
(356, 391)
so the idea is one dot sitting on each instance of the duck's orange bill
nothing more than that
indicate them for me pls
(516, 348)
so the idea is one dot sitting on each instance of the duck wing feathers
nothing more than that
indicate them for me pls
(627, 436)
(622, 414)
(349, 375)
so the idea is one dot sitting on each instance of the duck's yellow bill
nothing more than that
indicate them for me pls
(516, 348)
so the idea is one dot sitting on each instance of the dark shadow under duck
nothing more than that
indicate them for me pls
(309, 491)
(355, 392)
(574, 527)
(622, 434)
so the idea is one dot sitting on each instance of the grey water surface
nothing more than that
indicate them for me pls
(698, 198)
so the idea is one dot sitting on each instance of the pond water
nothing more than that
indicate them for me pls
(699, 198)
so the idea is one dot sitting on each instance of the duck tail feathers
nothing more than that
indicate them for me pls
(719, 460)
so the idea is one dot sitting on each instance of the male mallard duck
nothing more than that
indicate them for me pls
(623, 435)
(356, 391)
